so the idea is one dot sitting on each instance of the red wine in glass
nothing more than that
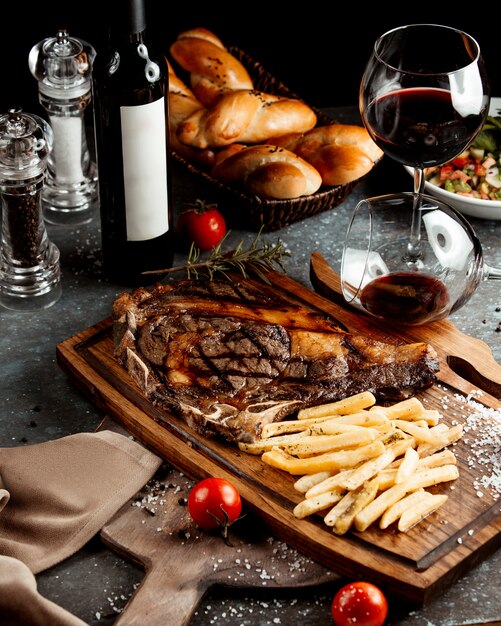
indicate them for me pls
(424, 96)
(406, 298)
(420, 126)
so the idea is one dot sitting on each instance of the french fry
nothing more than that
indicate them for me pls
(420, 434)
(410, 409)
(434, 460)
(432, 476)
(332, 426)
(441, 427)
(358, 500)
(394, 511)
(308, 481)
(258, 447)
(372, 419)
(400, 446)
(387, 478)
(315, 426)
(323, 462)
(432, 417)
(341, 507)
(351, 404)
(377, 507)
(345, 507)
(329, 483)
(367, 470)
(421, 423)
(391, 436)
(408, 465)
(437, 459)
(411, 517)
(309, 506)
(318, 444)
(450, 436)
(291, 426)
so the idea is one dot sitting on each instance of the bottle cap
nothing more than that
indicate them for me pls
(62, 65)
(25, 141)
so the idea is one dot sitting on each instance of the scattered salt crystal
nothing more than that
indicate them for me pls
(460, 540)
(484, 426)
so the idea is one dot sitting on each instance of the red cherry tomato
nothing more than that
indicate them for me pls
(214, 503)
(201, 224)
(359, 604)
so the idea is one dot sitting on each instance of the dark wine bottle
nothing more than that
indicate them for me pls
(130, 100)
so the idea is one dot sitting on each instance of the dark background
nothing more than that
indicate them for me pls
(319, 52)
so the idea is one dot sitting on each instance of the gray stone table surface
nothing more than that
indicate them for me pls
(39, 403)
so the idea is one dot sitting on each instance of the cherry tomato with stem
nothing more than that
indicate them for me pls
(359, 603)
(201, 224)
(214, 503)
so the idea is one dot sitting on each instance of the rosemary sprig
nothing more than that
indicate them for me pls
(258, 257)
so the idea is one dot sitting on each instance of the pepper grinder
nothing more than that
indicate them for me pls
(30, 275)
(63, 67)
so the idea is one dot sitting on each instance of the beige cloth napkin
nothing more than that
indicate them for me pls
(54, 497)
(20, 602)
(62, 492)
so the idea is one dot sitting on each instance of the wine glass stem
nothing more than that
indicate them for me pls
(413, 247)
(418, 180)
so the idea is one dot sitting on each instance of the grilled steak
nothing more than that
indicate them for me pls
(230, 357)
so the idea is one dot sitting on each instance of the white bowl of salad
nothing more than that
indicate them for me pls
(471, 183)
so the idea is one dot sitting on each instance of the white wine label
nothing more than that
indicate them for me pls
(145, 170)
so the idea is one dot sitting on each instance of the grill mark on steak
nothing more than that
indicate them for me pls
(230, 357)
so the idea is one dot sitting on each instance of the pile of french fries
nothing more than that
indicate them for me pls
(359, 462)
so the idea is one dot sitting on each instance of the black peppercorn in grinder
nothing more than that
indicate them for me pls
(30, 276)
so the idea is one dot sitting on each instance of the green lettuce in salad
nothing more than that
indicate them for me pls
(489, 138)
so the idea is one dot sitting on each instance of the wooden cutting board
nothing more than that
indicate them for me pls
(155, 531)
(417, 565)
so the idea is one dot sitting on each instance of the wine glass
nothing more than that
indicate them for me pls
(375, 276)
(424, 97)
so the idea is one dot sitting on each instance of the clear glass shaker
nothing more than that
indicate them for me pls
(63, 67)
(30, 275)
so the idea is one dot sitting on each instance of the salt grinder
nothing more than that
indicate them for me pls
(30, 275)
(63, 67)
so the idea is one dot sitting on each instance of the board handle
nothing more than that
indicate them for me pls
(162, 599)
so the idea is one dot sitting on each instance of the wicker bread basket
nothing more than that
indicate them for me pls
(249, 211)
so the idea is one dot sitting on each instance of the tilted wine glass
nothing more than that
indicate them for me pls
(375, 276)
(424, 97)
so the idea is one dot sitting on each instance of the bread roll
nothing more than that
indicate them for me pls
(213, 70)
(245, 117)
(267, 171)
(182, 104)
(341, 153)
